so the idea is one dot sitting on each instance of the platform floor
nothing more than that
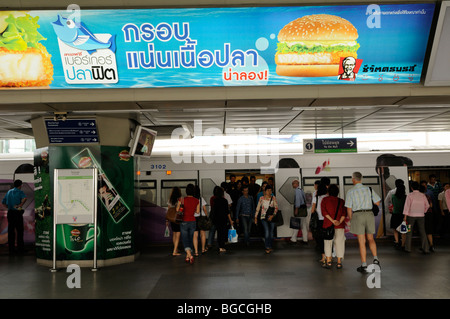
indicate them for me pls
(290, 272)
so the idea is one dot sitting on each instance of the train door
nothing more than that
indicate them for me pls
(285, 197)
(174, 179)
(208, 179)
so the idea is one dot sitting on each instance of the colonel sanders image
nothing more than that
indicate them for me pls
(348, 64)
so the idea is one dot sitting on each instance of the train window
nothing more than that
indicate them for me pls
(207, 189)
(168, 184)
(367, 180)
(287, 190)
(309, 181)
(147, 192)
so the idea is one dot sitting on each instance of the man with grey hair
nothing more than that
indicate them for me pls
(359, 201)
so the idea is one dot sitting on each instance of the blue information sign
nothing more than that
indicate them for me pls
(73, 131)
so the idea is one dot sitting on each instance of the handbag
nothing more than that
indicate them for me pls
(171, 214)
(314, 222)
(295, 223)
(328, 233)
(278, 219)
(375, 208)
(204, 223)
(180, 213)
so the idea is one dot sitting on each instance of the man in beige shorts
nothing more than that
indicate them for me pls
(359, 201)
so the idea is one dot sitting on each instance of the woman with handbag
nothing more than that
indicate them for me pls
(268, 207)
(174, 198)
(202, 221)
(220, 217)
(334, 213)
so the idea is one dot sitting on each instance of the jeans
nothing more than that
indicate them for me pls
(246, 224)
(187, 234)
(269, 227)
(212, 233)
(15, 224)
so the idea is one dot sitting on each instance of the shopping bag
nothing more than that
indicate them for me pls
(402, 228)
(167, 232)
(232, 235)
(295, 223)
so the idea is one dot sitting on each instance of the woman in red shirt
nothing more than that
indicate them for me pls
(190, 205)
(329, 206)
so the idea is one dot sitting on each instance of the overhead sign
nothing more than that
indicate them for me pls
(72, 131)
(75, 196)
(330, 145)
(247, 46)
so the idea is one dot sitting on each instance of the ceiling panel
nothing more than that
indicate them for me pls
(290, 116)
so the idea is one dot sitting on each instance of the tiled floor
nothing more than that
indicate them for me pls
(291, 271)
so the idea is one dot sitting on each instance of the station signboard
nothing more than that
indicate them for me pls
(330, 145)
(72, 131)
(214, 47)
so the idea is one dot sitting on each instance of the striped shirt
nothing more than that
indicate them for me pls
(360, 198)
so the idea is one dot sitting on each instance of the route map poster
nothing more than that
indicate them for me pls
(75, 196)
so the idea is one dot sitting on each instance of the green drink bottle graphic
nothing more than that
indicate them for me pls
(108, 195)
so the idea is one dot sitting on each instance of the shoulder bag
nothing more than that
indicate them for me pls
(302, 210)
(375, 208)
(270, 210)
(328, 233)
(171, 214)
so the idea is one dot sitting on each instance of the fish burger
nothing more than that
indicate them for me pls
(312, 46)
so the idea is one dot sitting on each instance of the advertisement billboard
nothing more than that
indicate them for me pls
(214, 47)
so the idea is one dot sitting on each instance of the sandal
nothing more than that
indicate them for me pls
(339, 265)
(327, 265)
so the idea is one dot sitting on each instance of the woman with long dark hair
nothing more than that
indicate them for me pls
(174, 198)
(398, 203)
(220, 216)
(316, 208)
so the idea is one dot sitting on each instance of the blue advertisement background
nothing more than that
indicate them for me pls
(401, 40)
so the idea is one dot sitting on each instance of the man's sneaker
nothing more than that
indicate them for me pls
(362, 269)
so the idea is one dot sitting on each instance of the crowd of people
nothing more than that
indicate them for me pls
(243, 203)
(424, 206)
(236, 204)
